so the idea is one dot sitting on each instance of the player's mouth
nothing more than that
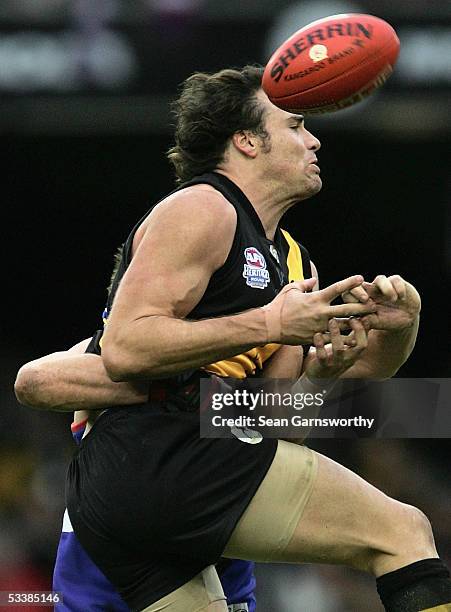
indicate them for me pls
(314, 165)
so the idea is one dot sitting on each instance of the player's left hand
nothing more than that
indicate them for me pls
(334, 358)
(398, 303)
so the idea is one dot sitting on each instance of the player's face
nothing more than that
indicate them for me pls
(291, 155)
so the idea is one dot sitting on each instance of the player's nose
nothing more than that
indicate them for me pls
(313, 143)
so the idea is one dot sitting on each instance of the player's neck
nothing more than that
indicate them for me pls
(264, 197)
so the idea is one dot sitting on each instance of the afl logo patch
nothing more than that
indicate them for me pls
(255, 272)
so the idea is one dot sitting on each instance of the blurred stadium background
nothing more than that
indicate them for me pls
(84, 93)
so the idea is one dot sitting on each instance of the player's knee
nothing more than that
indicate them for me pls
(419, 531)
(406, 538)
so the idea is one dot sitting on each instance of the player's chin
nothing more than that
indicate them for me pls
(310, 185)
(311, 189)
(315, 184)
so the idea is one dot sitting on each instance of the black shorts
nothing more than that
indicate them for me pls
(152, 503)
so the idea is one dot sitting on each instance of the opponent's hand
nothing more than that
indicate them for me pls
(398, 303)
(294, 316)
(331, 360)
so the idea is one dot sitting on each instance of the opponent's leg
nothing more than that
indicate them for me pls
(311, 509)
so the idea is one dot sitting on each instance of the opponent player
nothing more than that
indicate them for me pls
(223, 497)
(68, 380)
(76, 379)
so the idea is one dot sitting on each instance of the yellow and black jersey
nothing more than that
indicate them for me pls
(255, 271)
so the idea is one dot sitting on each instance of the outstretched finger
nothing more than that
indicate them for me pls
(343, 286)
(351, 310)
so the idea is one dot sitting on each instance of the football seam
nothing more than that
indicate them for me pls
(344, 72)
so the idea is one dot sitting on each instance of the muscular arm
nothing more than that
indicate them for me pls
(71, 380)
(147, 335)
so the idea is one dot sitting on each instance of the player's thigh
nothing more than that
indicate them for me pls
(203, 593)
(349, 521)
(312, 509)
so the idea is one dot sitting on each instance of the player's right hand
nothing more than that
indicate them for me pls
(294, 316)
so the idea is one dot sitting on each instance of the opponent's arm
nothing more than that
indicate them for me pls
(325, 364)
(72, 380)
(392, 329)
(285, 363)
(147, 335)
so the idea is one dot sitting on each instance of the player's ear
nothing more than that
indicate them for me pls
(245, 142)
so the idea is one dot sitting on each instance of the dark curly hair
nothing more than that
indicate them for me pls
(209, 110)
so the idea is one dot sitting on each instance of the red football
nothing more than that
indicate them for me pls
(331, 63)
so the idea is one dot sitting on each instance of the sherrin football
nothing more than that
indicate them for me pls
(331, 63)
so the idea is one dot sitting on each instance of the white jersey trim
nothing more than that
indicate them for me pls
(67, 525)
